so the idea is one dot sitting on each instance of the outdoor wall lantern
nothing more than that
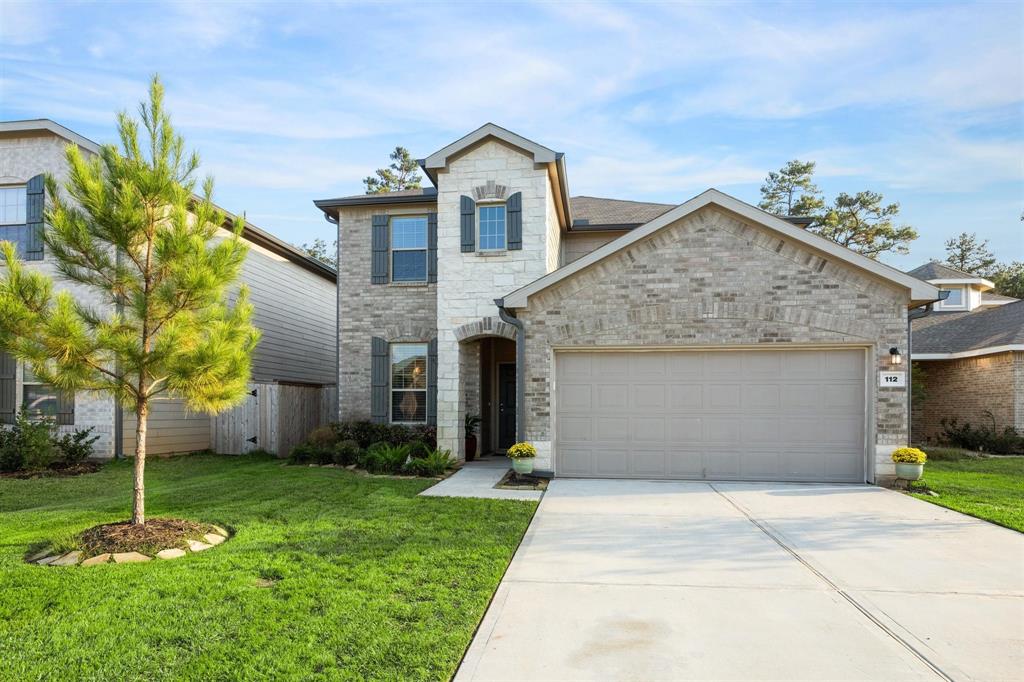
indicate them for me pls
(894, 356)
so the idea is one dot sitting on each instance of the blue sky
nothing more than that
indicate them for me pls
(287, 103)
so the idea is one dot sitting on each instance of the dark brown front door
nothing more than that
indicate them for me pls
(506, 405)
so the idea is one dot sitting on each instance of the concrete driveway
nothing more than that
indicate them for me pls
(672, 580)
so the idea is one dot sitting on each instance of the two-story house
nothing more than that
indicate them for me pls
(293, 295)
(968, 355)
(623, 339)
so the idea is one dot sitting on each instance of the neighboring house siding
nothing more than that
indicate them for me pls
(294, 309)
(22, 158)
(979, 391)
(394, 312)
(575, 245)
(711, 279)
(171, 429)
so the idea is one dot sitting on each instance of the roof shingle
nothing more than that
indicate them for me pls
(935, 270)
(591, 212)
(983, 329)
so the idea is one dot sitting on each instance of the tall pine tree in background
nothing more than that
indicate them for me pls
(790, 191)
(403, 173)
(132, 232)
(969, 253)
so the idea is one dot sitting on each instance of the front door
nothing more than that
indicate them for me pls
(506, 405)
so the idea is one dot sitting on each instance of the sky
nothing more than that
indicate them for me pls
(287, 103)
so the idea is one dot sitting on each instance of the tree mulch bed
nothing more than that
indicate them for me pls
(514, 481)
(149, 538)
(58, 470)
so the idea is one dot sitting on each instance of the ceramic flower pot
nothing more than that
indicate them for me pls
(908, 471)
(522, 465)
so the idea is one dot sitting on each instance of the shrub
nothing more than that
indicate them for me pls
(28, 444)
(982, 438)
(419, 450)
(347, 452)
(76, 447)
(11, 458)
(435, 463)
(426, 434)
(909, 456)
(366, 433)
(521, 451)
(322, 437)
(384, 458)
(304, 454)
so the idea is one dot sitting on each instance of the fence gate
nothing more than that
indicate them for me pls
(238, 431)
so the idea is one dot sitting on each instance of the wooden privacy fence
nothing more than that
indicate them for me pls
(275, 417)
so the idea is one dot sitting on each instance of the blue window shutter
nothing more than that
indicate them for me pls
(379, 380)
(468, 224)
(514, 221)
(8, 388)
(431, 247)
(432, 382)
(381, 244)
(34, 203)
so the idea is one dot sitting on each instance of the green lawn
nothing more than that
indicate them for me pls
(369, 580)
(989, 488)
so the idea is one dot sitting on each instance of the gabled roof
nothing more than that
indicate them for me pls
(920, 291)
(595, 213)
(979, 333)
(405, 196)
(555, 161)
(250, 232)
(988, 297)
(941, 273)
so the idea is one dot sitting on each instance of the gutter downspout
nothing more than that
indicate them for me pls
(508, 317)
(337, 311)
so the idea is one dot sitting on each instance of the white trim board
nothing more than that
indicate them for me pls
(973, 353)
(921, 292)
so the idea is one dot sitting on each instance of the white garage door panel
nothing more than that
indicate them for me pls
(759, 415)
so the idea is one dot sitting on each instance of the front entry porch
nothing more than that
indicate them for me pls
(496, 399)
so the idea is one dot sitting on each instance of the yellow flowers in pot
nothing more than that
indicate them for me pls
(521, 451)
(909, 456)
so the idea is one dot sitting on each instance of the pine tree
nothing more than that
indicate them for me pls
(862, 223)
(403, 173)
(319, 250)
(790, 191)
(968, 253)
(132, 232)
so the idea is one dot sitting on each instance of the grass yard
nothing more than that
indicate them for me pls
(330, 575)
(989, 488)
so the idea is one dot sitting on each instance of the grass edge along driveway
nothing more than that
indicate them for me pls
(989, 488)
(330, 575)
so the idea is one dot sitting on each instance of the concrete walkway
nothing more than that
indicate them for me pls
(643, 580)
(477, 479)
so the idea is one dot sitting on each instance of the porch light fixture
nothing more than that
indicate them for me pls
(894, 356)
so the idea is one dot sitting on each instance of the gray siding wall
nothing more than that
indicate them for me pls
(171, 429)
(294, 310)
(394, 312)
(575, 245)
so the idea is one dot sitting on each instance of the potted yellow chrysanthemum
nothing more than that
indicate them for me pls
(522, 455)
(909, 463)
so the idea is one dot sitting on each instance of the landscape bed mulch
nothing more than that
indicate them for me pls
(515, 481)
(152, 537)
(56, 471)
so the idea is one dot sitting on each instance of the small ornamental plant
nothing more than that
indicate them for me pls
(521, 451)
(909, 456)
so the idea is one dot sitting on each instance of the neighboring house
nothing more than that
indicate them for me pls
(708, 340)
(293, 297)
(968, 355)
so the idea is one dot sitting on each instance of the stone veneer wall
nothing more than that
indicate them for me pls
(966, 389)
(468, 283)
(22, 158)
(395, 312)
(712, 279)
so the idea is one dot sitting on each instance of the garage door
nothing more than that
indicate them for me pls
(795, 415)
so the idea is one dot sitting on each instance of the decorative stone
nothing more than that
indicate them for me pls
(48, 560)
(39, 555)
(69, 559)
(197, 546)
(220, 531)
(214, 539)
(170, 553)
(129, 558)
(98, 559)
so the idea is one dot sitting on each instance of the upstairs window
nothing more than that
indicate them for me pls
(492, 228)
(955, 299)
(409, 249)
(409, 383)
(12, 205)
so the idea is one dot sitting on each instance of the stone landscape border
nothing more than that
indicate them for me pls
(74, 558)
